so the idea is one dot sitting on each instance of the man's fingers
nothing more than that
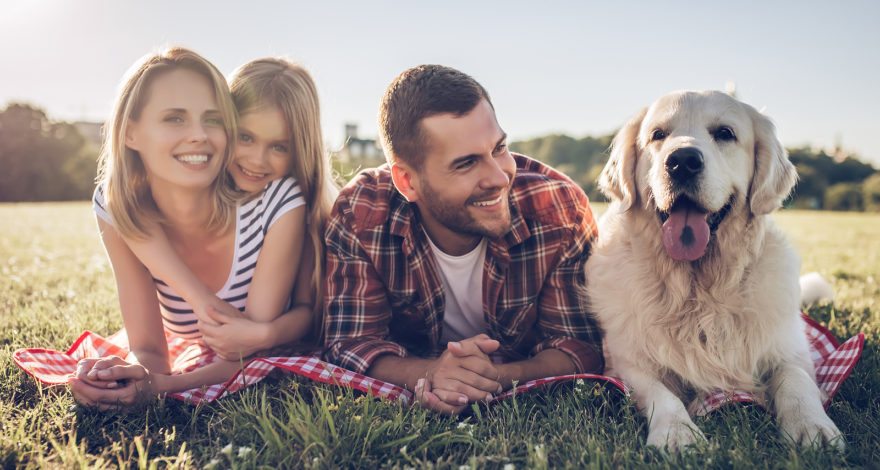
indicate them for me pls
(475, 371)
(488, 345)
(427, 399)
(452, 398)
(480, 345)
(474, 386)
(464, 348)
(484, 369)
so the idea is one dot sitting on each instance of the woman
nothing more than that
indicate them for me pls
(164, 171)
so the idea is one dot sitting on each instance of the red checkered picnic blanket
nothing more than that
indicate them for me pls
(833, 362)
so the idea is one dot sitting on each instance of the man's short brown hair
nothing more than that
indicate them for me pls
(418, 93)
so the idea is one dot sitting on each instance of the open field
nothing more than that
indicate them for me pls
(56, 282)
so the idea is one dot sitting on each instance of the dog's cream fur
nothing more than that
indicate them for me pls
(728, 320)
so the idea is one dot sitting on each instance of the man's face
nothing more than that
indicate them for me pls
(463, 186)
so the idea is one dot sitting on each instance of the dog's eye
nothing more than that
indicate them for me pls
(658, 134)
(724, 134)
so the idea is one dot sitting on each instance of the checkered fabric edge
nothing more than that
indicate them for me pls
(54, 368)
(832, 361)
(833, 365)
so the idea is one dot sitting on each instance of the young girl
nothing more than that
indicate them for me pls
(161, 212)
(279, 134)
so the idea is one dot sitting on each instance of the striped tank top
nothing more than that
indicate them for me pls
(252, 222)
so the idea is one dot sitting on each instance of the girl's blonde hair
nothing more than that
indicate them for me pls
(279, 83)
(121, 173)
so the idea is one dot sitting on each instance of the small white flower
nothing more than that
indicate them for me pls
(464, 467)
(242, 451)
(509, 466)
(403, 450)
(212, 464)
(227, 450)
(539, 453)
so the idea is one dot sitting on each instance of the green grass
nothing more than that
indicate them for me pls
(56, 282)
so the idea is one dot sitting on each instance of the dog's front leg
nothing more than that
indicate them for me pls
(669, 424)
(798, 405)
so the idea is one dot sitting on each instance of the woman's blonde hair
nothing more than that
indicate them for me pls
(121, 173)
(279, 83)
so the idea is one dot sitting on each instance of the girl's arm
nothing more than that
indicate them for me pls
(277, 266)
(157, 254)
(232, 337)
(276, 269)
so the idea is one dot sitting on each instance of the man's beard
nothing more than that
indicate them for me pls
(458, 218)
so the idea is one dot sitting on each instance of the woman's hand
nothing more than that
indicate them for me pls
(234, 337)
(112, 383)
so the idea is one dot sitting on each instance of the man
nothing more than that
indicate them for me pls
(452, 270)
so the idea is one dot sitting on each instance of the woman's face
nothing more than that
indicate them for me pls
(262, 153)
(180, 134)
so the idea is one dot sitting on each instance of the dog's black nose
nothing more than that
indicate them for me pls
(684, 163)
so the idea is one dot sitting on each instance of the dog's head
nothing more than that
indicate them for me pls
(691, 157)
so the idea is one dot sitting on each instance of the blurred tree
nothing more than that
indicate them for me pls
(581, 159)
(844, 197)
(871, 193)
(810, 189)
(849, 170)
(42, 160)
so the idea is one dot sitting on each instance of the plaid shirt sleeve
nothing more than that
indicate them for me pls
(563, 317)
(356, 307)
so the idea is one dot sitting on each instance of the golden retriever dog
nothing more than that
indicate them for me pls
(693, 286)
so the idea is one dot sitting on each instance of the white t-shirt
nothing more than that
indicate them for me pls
(462, 278)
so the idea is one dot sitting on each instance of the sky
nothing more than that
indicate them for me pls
(573, 67)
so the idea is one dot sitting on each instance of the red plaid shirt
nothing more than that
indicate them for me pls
(384, 293)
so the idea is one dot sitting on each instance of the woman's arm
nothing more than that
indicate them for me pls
(113, 383)
(137, 301)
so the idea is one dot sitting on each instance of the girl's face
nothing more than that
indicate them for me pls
(180, 134)
(263, 151)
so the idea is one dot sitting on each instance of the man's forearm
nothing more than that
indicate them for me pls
(547, 363)
(401, 371)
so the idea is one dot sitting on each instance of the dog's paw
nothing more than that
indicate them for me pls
(812, 431)
(675, 436)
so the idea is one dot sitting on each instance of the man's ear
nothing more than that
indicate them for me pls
(405, 180)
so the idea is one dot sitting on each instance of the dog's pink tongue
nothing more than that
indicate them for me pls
(686, 233)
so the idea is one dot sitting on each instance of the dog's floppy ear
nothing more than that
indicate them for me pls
(618, 178)
(775, 175)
